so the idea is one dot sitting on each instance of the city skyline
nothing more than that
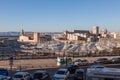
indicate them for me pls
(59, 15)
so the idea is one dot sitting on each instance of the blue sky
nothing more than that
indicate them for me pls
(59, 15)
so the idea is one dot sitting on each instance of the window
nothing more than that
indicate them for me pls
(37, 75)
(60, 72)
(108, 79)
(18, 76)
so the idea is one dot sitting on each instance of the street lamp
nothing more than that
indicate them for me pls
(73, 57)
(66, 58)
(11, 63)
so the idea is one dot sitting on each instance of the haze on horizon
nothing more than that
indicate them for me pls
(59, 15)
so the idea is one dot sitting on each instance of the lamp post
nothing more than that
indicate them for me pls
(66, 58)
(73, 57)
(11, 64)
(66, 54)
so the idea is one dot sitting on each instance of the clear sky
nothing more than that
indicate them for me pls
(59, 15)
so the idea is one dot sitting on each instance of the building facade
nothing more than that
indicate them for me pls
(95, 30)
(30, 38)
(77, 35)
(33, 38)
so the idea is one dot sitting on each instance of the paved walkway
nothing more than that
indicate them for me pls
(39, 63)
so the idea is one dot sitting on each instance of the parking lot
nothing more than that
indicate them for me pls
(52, 69)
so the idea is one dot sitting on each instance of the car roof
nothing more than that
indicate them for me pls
(95, 66)
(78, 60)
(40, 71)
(62, 69)
(3, 68)
(70, 65)
(79, 70)
(20, 73)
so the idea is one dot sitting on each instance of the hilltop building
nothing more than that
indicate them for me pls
(104, 33)
(33, 38)
(78, 35)
(95, 30)
(83, 35)
(115, 35)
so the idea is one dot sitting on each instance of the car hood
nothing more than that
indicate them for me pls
(59, 76)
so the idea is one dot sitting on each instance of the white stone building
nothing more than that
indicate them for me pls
(77, 35)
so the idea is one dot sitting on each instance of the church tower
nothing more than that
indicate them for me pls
(22, 32)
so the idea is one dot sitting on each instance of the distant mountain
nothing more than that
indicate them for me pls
(9, 33)
(12, 33)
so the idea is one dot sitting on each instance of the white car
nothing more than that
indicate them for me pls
(22, 76)
(2, 77)
(77, 62)
(61, 74)
(96, 66)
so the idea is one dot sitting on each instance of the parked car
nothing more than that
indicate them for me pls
(2, 77)
(71, 68)
(4, 71)
(96, 66)
(81, 62)
(84, 62)
(102, 61)
(61, 74)
(79, 74)
(115, 60)
(77, 62)
(41, 75)
(22, 76)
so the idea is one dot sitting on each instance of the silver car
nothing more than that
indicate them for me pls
(22, 76)
(61, 74)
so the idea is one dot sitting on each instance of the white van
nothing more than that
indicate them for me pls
(103, 74)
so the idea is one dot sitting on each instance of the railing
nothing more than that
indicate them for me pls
(48, 56)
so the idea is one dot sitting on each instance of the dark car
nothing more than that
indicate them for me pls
(115, 60)
(77, 62)
(102, 61)
(41, 75)
(4, 71)
(79, 74)
(71, 68)
(84, 62)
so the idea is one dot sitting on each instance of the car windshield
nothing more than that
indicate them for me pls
(78, 60)
(18, 76)
(79, 72)
(37, 75)
(100, 67)
(84, 60)
(103, 59)
(60, 72)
